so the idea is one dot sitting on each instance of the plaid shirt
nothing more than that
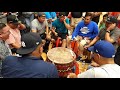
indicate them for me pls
(4, 50)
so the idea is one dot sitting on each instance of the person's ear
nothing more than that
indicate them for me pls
(0, 36)
(98, 56)
(40, 49)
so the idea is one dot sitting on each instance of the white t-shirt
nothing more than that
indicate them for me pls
(104, 71)
(39, 27)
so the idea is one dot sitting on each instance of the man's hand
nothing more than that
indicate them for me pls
(65, 18)
(111, 27)
(72, 75)
(56, 34)
(49, 20)
(94, 64)
(87, 38)
(48, 37)
(86, 46)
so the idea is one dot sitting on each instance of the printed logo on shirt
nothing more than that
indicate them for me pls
(84, 30)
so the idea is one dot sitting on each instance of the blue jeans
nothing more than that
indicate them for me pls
(28, 20)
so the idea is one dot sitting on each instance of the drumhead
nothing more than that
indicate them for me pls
(60, 55)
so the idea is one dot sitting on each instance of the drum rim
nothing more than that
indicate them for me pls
(60, 62)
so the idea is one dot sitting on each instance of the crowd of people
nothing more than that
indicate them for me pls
(24, 36)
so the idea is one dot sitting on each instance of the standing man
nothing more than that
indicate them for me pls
(50, 16)
(96, 16)
(75, 19)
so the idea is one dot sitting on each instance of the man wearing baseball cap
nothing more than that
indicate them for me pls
(29, 64)
(103, 54)
(40, 26)
(117, 54)
(60, 28)
(110, 33)
(14, 26)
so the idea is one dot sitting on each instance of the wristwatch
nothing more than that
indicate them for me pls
(108, 31)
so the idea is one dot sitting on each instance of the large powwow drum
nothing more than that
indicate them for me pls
(63, 59)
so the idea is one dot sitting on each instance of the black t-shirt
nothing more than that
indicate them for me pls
(66, 13)
(117, 56)
(96, 19)
(76, 14)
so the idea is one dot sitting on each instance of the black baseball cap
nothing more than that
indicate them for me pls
(62, 14)
(29, 43)
(13, 19)
(111, 19)
(41, 14)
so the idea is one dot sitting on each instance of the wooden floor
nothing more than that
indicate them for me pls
(44, 56)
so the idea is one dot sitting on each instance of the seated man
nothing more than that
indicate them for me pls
(3, 18)
(40, 26)
(103, 55)
(110, 33)
(117, 54)
(62, 26)
(84, 32)
(102, 23)
(29, 64)
(14, 26)
(4, 47)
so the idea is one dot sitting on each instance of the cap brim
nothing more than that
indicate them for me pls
(108, 22)
(24, 51)
(15, 23)
(91, 49)
(41, 15)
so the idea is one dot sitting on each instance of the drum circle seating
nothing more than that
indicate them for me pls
(58, 42)
(74, 46)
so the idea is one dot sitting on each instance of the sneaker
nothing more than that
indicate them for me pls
(78, 58)
(87, 61)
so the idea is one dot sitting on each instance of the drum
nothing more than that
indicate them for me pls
(63, 58)
(75, 46)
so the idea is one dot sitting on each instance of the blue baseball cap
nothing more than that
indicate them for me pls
(103, 48)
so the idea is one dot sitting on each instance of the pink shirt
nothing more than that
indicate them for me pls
(14, 37)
